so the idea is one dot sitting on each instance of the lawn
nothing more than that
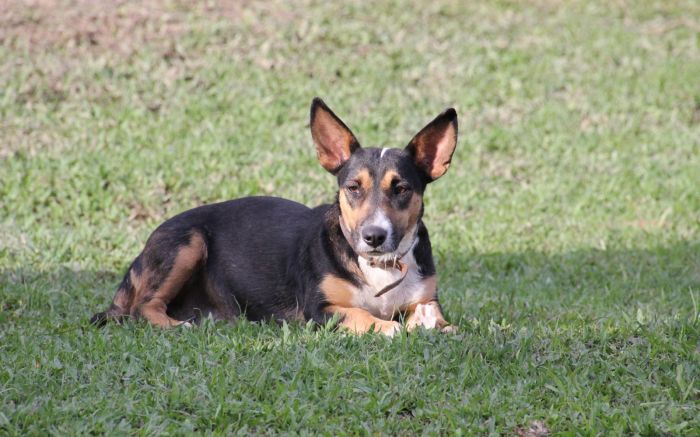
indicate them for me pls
(566, 233)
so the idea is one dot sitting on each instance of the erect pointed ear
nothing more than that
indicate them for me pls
(433, 146)
(334, 141)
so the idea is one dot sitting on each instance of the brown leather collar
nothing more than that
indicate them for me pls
(403, 267)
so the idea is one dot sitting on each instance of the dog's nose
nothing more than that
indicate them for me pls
(374, 235)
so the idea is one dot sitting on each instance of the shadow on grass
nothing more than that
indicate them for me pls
(589, 281)
(52, 298)
(592, 282)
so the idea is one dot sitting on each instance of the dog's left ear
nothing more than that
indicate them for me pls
(334, 141)
(433, 146)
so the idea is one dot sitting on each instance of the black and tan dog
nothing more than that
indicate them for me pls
(366, 257)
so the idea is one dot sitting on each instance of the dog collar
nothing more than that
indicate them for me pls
(396, 264)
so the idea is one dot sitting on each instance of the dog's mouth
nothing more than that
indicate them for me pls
(373, 254)
(390, 257)
(380, 254)
(383, 259)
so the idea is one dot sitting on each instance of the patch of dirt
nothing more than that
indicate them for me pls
(118, 26)
(536, 429)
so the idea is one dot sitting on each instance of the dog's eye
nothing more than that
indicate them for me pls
(401, 188)
(353, 187)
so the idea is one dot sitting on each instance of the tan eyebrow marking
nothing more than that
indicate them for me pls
(388, 178)
(354, 216)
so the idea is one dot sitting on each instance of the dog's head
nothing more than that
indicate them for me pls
(380, 191)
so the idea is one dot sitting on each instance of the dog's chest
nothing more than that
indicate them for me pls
(412, 288)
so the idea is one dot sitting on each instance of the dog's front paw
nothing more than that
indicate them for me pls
(429, 316)
(449, 329)
(425, 315)
(388, 328)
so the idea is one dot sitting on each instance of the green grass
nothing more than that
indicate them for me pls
(566, 233)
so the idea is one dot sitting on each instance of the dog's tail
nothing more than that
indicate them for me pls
(121, 304)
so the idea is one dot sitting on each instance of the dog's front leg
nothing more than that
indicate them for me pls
(428, 315)
(360, 321)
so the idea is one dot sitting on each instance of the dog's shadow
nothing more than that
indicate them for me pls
(589, 282)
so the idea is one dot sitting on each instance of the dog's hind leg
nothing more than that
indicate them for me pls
(165, 274)
(156, 276)
(121, 304)
(119, 309)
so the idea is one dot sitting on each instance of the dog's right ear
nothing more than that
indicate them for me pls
(334, 141)
(433, 146)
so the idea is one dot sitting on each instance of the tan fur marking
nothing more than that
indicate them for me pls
(140, 290)
(121, 299)
(185, 263)
(359, 321)
(354, 216)
(406, 219)
(364, 178)
(337, 291)
(345, 210)
(388, 178)
(155, 312)
(135, 280)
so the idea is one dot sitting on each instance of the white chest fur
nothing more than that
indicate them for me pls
(411, 290)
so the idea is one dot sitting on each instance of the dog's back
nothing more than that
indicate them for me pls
(242, 251)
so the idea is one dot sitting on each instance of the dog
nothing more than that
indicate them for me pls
(364, 261)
